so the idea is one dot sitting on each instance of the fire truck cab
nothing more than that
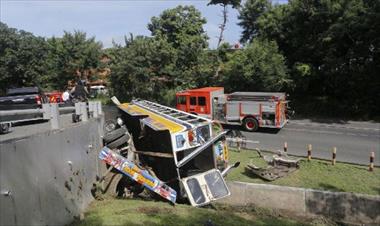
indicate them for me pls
(248, 109)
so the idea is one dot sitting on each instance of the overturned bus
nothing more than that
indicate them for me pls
(175, 154)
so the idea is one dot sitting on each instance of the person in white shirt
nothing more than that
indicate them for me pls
(66, 96)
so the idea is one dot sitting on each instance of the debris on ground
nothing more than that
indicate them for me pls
(279, 165)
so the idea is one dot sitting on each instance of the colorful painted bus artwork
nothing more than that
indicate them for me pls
(137, 174)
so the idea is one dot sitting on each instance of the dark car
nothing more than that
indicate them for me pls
(21, 99)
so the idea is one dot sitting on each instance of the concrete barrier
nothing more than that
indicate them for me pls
(46, 178)
(339, 206)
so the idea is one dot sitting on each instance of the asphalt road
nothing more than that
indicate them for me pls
(354, 140)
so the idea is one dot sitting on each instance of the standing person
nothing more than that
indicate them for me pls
(80, 92)
(66, 96)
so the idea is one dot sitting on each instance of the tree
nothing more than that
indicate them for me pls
(22, 57)
(182, 28)
(71, 57)
(178, 25)
(224, 3)
(249, 15)
(331, 49)
(258, 67)
(156, 67)
(144, 68)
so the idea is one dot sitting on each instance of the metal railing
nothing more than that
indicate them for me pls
(52, 111)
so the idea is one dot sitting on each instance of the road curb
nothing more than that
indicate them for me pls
(344, 207)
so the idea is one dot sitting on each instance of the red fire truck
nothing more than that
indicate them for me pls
(248, 109)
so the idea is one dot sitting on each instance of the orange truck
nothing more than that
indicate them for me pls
(251, 110)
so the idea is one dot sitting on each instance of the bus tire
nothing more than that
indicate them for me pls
(250, 124)
(113, 135)
(118, 142)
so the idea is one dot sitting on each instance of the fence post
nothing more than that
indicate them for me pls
(46, 109)
(54, 116)
(371, 158)
(84, 111)
(95, 110)
(238, 143)
(286, 146)
(77, 108)
(91, 108)
(100, 111)
(334, 156)
(309, 148)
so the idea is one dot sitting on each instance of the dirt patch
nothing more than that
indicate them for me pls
(153, 211)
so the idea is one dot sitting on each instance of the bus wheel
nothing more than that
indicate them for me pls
(250, 124)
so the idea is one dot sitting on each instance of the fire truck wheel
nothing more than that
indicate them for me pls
(117, 143)
(113, 135)
(250, 124)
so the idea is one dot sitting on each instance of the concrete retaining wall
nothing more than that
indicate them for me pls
(340, 206)
(49, 175)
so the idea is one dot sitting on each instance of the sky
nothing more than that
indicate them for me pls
(108, 20)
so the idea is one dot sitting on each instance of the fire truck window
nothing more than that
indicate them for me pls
(181, 100)
(202, 101)
(193, 101)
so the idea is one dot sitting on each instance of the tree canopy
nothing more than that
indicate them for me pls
(21, 58)
(260, 66)
(71, 57)
(158, 66)
(180, 25)
(331, 47)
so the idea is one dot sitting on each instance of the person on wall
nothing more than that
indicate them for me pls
(80, 92)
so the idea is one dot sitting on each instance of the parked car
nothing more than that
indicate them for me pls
(21, 99)
(96, 90)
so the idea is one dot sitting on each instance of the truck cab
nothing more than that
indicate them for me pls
(198, 101)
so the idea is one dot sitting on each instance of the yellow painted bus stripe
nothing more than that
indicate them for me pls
(173, 127)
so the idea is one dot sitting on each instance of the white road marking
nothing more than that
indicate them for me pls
(329, 132)
(334, 126)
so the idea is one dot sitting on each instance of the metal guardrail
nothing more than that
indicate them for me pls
(51, 112)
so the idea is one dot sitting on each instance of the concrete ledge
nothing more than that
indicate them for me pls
(344, 206)
(340, 206)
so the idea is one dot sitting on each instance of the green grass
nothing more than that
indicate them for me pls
(138, 212)
(316, 174)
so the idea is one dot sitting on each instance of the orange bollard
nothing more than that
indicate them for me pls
(286, 147)
(309, 147)
(334, 156)
(371, 158)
